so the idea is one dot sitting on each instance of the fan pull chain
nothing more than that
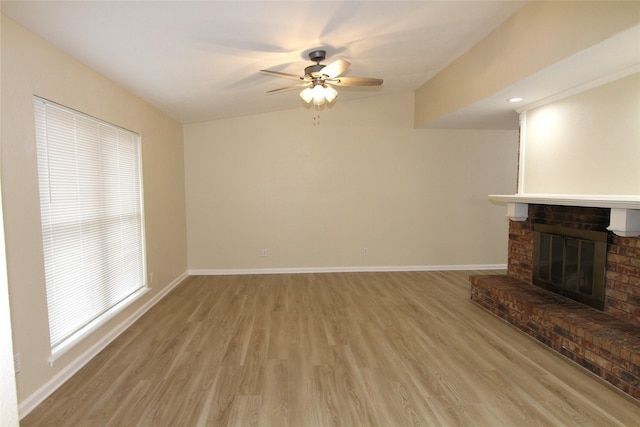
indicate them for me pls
(316, 115)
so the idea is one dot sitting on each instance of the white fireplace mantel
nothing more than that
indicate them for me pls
(625, 210)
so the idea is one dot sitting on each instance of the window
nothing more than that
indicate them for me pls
(92, 220)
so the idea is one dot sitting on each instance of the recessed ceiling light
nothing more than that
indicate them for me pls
(515, 99)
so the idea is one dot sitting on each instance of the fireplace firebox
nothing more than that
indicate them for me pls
(570, 262)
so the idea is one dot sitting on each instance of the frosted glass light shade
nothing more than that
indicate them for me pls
(318, 95)
(330, 94)
(306, 95)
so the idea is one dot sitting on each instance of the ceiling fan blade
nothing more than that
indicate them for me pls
(286, 88)
(285, 75)
(355, 81)
(336, 68)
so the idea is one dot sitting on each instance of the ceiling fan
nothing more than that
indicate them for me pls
(318, 79)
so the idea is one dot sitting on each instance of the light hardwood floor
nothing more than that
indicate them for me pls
(349, 349)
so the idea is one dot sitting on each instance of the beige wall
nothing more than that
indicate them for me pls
(588, 143)
(314, 197)
(537, 36)
(31, 66)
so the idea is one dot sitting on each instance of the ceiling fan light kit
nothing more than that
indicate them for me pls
(318, 81)
(319, 94)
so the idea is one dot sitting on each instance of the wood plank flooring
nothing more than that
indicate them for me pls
(334, 349)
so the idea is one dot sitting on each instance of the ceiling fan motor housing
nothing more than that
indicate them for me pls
(317, 55)
(314, 70)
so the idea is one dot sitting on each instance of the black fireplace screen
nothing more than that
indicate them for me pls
(571, 262)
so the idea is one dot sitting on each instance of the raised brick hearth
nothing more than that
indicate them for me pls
(606, 343)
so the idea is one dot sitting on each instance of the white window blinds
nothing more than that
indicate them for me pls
(92, 218)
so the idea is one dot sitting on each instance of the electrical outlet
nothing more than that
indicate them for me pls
(17, 362)
(264, 252)
(365, 251)
(151, 277)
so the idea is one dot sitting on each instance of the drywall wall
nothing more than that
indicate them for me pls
(537, 36)
(8, 393)
(32, 66)
(315, 196)
(587, 143)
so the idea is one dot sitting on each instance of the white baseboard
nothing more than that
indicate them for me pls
(31, 402)
(243, 271)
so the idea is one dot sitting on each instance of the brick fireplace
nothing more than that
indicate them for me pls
(607, 342)
(622, 278)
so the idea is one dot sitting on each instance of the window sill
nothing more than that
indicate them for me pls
(75, 339)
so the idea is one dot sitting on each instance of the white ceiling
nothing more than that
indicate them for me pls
(200, 60)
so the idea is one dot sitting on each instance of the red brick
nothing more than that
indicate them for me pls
(627, 241)
(628, 270)
(615, 348)
(618, 259)
(617, 276)
(627, 288)
(616, 294)
(633, 252)
(598, 360)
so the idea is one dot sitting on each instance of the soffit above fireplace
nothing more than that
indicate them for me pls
(625, 209)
